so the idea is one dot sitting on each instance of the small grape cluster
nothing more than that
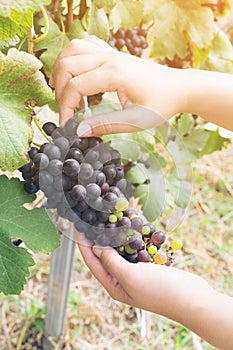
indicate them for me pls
(83, 179)
(134, 40)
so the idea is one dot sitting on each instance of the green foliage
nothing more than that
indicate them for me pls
(20, 6)
(98, 23)
(126, 14)
(20, 82)
(16, 23)
(33, 227)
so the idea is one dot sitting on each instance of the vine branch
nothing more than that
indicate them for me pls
(70, 15)
(82, 9)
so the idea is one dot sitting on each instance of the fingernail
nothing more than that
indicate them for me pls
(97, 250)
(84, 130)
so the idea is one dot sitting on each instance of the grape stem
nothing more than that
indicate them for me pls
(46, 27)
(37, 123)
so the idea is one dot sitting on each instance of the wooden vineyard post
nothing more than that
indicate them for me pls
(58, 289)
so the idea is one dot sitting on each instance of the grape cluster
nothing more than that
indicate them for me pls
(134, 40)
(83, 179)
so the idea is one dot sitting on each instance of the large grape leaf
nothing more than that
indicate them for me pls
(178, 24)
(54, 42)
(34, 227)
(98, 23)
(20, 81)
(106, 5)
(126, 14)
(20, 6)
(14, 266)
(215, 142)
(16, 23)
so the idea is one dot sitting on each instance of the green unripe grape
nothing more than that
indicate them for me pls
(176, 244)
(145, 230)
(118, 214)
(121, 248)
(112, 219)
(122, 204)
(129, 250)
(152, 250)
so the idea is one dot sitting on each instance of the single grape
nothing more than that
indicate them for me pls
(80, 143)
(109, 171)
(58, 132)
(110, 200)
(82, 206)
(152, 250)
(136, 242)
(78, 193)
(45, 180)
(92, 156)
(93, 191)
(86, 171)
(100, 178)
(120, 239)
(158, 238)
(63, 145)
(71, 167)
(32, 152)
(122, 184)
(75, 153)
(144, 256)
(121, 204)
(102, 216)
(30, 187)
(137, 223)
(52, 151)
(49, 128)
(62, 182)
(41, 161)
(97, 204)
(160, 258)
(176, 244)
(104, 188)
(94, 141)
(70, 127)
(55, 167)
(124, 223)
(112, 219)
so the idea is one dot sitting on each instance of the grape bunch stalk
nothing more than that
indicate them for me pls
(83, 179)
(132, 40)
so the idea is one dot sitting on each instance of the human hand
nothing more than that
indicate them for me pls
(145, 89)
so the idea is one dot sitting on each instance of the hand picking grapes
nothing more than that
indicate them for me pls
(90, 66)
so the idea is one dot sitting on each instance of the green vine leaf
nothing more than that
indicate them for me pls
(20, 81)
(106, 5)
(20, 6)
(54, 42)
(185, 124)
(17, 23)
(215, 142)
(178, 24)
(126, 14)
(34, 227)
(98, 23)
(14, 266)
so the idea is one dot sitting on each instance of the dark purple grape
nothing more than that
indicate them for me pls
(94, 141)
(93, 191)
(120, 238)
(104, 188)
(110, 200)
(100, 178)
(63, 144)
(32, 152)
(98, 228)
(70, 127)
(103, 240)
(82, 226)
(80, 143)
(122, 184)
(86, 171)
(92, 156)
(75, 153)
(81, 206)
(102, 216)
(55, 167)
(158, 238)
(49, 128)
(124, 223)
(41, 161)
(115, 190)
(109, 171)
(120, 43)
(136, 242)
(58, 132)
(45, 180)
(144, 256)
(133, 258)
(52, 151)
(137, 223)
(78, 192)
(30, 187)
(71, 167)
(62, 183)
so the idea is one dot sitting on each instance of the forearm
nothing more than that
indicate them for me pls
(210, 95)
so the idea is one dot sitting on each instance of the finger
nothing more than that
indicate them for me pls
(132, 119)
(69, 67)
(89, 45)
(113, 263)
(86, 84)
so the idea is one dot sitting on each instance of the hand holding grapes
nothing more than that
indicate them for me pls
(89, 66)
(173, 293)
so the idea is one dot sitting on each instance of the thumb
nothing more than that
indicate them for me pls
(113, 263)
(132, 119)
